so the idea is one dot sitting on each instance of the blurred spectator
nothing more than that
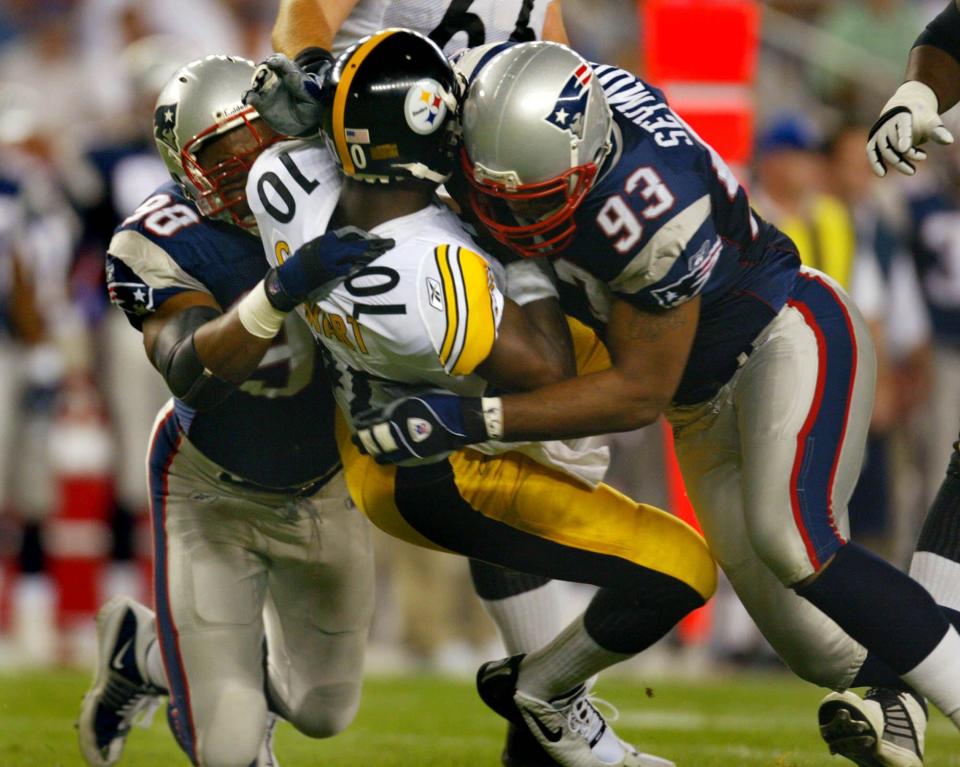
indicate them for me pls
(790, 194)
(886, 288)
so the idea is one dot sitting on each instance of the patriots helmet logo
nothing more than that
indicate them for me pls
(567, 113)
(164, 122)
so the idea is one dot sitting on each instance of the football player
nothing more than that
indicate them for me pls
(286, 91)
(764, 368)
(263, 570)
(432, 312)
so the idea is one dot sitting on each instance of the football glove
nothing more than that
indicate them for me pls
(288, 96)
(317, 266)
(909, 119)
(430, 424)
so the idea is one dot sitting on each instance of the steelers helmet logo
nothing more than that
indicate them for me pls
(424, 107)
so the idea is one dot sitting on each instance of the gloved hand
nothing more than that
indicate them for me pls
(319, 264)
(909, 119)
(424, 425)
(287, 96)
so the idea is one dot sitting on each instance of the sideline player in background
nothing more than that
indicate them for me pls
(430, 312)
(765, 370)
(263, 570)
(908, 120)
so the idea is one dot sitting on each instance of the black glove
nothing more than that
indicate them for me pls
(318, 265)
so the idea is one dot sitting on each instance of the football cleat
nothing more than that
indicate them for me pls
(570, 729)
(883, 729)
(524, 750)
(121, 695)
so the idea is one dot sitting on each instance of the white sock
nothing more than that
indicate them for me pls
(938, 575)
(154, 666)
(937, 677)
(527, 621)
(568, 661)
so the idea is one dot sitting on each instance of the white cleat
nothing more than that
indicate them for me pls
(575, 734)
(884, 729)
(121, 695)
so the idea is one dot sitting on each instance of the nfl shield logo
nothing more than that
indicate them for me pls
(418, 429)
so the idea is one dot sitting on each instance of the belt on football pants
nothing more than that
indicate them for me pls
(295, 491)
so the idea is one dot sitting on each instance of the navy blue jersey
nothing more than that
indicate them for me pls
(666, 221)
(936, 247)
(277, 429)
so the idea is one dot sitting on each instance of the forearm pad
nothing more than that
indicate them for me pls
(175, 356)
(943, 32)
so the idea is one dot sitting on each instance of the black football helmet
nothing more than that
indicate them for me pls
(391, 109)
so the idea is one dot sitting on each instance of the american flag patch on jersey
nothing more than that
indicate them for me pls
(567, 113)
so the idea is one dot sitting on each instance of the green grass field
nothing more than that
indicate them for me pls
(429, 721)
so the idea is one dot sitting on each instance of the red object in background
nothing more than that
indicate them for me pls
(77, 535)
(703, 54)
(700, 40)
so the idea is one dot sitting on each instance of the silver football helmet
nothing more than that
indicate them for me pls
(536, 128)
(201, 102)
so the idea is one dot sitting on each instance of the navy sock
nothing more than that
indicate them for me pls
(884, 609)
(941, 529)
(875, 673)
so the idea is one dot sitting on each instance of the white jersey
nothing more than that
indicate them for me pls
(452, 24)
(424, 315)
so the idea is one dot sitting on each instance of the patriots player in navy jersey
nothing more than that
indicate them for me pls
(764, 368)
(263, 569)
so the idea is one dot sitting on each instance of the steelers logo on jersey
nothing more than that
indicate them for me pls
(425, 108)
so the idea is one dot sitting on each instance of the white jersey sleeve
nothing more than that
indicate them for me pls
(292, 189)
(452, 24)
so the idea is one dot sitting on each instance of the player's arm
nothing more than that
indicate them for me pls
(649, 352)
(201, 353)
(553, 28)
(911, 116)
(305, 24)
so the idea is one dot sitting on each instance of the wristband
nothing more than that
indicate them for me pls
(313, 59)
(492, 409)
(257, 315)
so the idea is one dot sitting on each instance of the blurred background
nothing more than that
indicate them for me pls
(787, 93)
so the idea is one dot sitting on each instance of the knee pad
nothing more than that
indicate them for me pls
(326, 710)
(231, 730)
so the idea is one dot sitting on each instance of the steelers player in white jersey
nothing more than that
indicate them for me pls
(432, 312)
(287, 84)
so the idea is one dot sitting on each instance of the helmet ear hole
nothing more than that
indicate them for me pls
(391, 109)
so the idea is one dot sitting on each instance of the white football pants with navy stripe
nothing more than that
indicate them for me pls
(234, 566)
(770, 464)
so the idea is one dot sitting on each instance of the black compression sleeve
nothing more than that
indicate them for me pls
(944, 31)
(175, 356)
(314, 60)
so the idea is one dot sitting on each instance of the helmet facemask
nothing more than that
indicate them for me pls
(219, 187)
(532, 219)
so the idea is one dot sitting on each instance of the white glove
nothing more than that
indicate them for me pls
(286, 96)
(909, 119)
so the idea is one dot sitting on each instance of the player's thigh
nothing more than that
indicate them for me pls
(321, 608)
(511, 511)
(210, 591)
(803, 403)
